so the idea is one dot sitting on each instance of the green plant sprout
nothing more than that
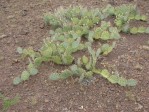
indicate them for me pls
(7, 103)
(77, 28)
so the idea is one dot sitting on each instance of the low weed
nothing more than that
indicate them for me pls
(7, 103)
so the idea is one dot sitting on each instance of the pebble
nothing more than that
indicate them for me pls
(24, 32)
(46, 94)
(25, 100)
(15, 60)
(65, 109)
(24, 12)
(138, 67)
(117, 106)
(3, 36)
(46, 100)
(34, 101)
(145, 47)
(42, 25)
(81, 107)
(139, 107)
(10, 17)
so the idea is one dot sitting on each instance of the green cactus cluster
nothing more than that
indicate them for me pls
(77, 28)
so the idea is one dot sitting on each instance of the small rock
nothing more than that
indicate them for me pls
(25, 100)
(117, 106)
(24, 12)
(9, 41)
(34, 101)
(42, 25)
(139, 107)
(130, 96)
(46, 100)
(24, 32)
(145, 47)
(65, 109)
(138, 67)
(15, 60)
(45, 94)
(87, 82)
(10, 17)
(81, 107)
(3, 36)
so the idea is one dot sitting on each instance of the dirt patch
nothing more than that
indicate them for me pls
(22, 25)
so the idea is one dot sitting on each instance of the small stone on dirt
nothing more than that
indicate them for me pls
(42, 25)
(3, 36)
(10, 17)
(145, 47)
(34, 101)
(130, 96)
(15, 61)
(45, 94)
(139, 106)
(46, 100)
(24, 12)
(138, 67)
(81, 107)
(24, 32)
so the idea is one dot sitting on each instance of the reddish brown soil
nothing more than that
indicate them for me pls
(21, 24)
